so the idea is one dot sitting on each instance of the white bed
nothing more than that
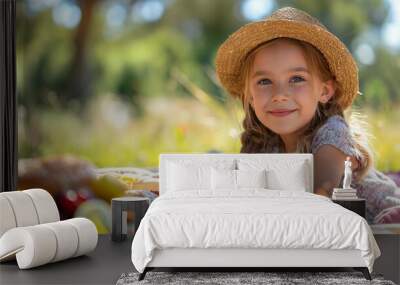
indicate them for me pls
(203, 220)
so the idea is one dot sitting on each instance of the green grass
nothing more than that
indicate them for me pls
(170, 125)
(110, 135)
(385, 126)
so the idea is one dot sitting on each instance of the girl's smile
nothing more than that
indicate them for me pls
(281, 112)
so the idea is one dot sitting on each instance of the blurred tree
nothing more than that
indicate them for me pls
(127, 86)
(377, 94)
(80, 76)
(206, 22)
(380, 80)
(346, 19)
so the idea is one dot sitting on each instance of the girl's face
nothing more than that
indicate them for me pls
(283, 91)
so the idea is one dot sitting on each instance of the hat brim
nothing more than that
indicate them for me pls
(232, 53)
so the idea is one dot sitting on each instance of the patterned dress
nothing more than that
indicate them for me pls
(379, 190)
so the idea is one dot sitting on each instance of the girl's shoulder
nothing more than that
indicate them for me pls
(335, 131)
(329, 131)
(335, 122)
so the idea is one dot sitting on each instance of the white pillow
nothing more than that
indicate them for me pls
(188, 174)
(293, 180)
(251, 178)
(229, 179)
(181, 177)
(223, 179)
(282, 174)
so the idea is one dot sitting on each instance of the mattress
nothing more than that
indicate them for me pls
(250, 218)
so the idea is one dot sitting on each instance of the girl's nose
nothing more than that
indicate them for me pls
(279, 93)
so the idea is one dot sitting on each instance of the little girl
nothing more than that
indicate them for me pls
(295, 80)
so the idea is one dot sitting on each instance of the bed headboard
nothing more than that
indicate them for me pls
(247, 159)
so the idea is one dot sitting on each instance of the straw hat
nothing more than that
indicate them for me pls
(292, 23)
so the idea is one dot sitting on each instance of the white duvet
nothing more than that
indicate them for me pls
(253, 218)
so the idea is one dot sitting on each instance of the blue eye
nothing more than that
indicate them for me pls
(264, 82)
(296, 79)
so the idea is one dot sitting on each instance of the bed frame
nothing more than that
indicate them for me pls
(240, 259)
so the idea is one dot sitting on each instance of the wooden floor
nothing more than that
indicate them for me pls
(102, 266)
(110, 259)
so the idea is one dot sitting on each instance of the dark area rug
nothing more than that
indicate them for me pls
(330, 278)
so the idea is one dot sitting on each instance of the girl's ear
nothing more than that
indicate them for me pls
(251, 101)
(328, 90)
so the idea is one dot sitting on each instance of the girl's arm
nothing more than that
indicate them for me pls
(329, 169)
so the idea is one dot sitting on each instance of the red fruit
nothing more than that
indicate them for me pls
(68, 201)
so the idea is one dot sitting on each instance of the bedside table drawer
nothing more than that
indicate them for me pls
(357, 206)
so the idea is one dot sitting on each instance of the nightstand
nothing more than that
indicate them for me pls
(356, 205)
(121, 207)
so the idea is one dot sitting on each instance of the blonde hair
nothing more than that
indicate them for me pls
(256, 138)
